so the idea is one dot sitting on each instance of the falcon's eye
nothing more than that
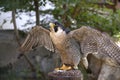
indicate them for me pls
(56, 28)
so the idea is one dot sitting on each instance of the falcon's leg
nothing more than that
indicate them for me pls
(85, 62)
(64, 67)
(75, 67)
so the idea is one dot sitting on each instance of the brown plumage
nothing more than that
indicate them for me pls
(38, 36)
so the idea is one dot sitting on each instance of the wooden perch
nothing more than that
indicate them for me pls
(65, 75)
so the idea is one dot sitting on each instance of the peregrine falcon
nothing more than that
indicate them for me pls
(56, 39)
(73, 46)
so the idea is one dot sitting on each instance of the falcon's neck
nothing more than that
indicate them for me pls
(60, 32)
(58, 37)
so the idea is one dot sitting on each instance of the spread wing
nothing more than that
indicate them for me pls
(84, 36)
(38, 36)
(92, 41)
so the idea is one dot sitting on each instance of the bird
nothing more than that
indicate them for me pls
(72, 46)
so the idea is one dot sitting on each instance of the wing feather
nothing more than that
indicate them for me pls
(38, 36)
(84, 36)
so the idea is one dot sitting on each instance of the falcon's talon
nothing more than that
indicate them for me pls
(64, 67)
(56, 69)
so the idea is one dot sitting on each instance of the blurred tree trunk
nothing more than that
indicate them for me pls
(15, 27)
(18, 40)
(36, 3)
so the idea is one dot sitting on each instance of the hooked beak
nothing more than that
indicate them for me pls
(52, 25)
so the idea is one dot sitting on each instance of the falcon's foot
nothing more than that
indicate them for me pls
(64, 67)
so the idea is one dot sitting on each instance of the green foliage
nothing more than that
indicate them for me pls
(26, 5)
(117, 35)
(75, 13)
(9, 5)
(106, 23)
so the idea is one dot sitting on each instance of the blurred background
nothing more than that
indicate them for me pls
(17, 17)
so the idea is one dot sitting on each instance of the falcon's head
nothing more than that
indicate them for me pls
(56, 27)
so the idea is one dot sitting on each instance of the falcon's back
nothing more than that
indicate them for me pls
(95, 41)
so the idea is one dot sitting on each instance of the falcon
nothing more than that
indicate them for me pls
(56, 39)
(72, 46)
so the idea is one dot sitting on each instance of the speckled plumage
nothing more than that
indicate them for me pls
(96, 42)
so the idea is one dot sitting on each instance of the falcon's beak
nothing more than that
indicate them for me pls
(52, 25)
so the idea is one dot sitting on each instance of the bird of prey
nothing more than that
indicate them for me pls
(73, 46)
(56, 39)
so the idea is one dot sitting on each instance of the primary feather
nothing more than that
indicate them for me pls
(38, 36)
